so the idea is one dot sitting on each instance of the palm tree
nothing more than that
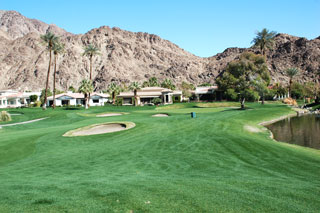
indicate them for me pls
(153, 82)
(91, 51)
(291, 72)
(261, 88)
(86, 87)
(48, 39)
(135, 86)
(113, 89)
(264, 40)
(57, 49)
(167, 83)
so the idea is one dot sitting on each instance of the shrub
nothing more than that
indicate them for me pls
(33, 98)
(156, 101)
(204, 85)
(37, 104)
(176, 99)
(297, 91)
(119, 101)
(5, 116)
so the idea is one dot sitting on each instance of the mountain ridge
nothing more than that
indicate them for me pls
(130, 56)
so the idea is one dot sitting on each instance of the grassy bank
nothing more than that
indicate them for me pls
(169, 164)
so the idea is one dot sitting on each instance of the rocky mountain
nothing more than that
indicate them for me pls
(16, 25)
(128, 56)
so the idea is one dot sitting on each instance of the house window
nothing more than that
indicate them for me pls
(95, 101)
(65, 102)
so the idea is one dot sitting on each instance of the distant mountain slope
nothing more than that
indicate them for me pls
(128, 56)
(16, 25)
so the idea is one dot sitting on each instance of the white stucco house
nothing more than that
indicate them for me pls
(74, 99)
(14, 99)
(147, 94)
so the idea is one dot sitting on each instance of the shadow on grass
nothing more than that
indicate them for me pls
(238, 109)
(72, 108)
(43, 201)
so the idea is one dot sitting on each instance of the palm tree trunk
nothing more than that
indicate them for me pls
(135, 98)
(262, 102)
(242, 103)
(87, 101)
(90, 73)
(290, 83)
(44, 106)
(113, 98)
(90, 67)
(54, 81)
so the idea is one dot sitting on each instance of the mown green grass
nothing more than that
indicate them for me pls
(165, 164)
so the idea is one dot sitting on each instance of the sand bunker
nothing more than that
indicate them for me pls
(108, 114)
(252, 129)
(160, 115)
(97, 129)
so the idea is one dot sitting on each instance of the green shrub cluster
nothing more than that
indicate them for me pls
(156, 101)
(176, 99)
(119, 102)
(5, 116)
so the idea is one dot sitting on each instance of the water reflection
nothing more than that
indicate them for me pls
(303, 130)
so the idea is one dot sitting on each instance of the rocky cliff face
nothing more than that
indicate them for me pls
(127, 56)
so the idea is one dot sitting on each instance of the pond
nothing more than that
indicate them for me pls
(301, 130)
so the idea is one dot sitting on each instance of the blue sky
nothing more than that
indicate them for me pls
(202, 27)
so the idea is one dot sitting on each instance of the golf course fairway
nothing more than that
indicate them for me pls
(220, 161)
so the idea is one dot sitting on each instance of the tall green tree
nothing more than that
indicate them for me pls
(57, 49)
(167, 83)
(186, 89)
(135, 86)
(291, 72)
(261, 88)
(242, 76)
(86, 87)
(91, 51)
(114, 90)
(264, 40)
(49, 39)
(44, 92)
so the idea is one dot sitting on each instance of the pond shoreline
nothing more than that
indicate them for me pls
(299, 130)
(265, 123)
